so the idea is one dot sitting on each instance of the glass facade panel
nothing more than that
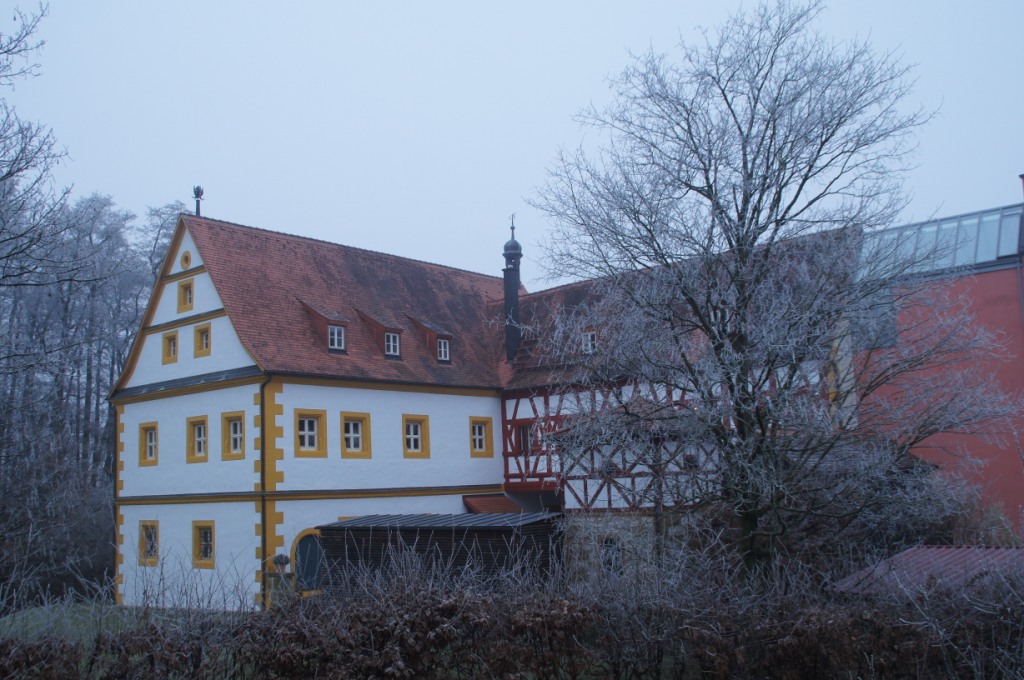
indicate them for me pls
(966, 241)
(1009, 227)
(988, 238)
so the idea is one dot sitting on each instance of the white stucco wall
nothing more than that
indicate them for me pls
(231, 584)
(172, 474)
(450, 463)
(226, 353)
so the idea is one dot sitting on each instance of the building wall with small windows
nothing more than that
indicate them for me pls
(203, 555)
(445, 456)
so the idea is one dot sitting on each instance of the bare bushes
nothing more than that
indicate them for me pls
(623, 611)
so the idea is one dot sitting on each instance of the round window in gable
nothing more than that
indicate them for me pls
(186, 260)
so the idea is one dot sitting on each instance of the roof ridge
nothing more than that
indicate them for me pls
(282, 234)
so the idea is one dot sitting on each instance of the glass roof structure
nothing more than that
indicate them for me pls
(968, 240)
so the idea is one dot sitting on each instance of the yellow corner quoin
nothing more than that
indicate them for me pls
(355, 435)
(415, 436)
(197, 437)
(310, 433)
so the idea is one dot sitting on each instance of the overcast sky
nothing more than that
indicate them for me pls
(418, 128)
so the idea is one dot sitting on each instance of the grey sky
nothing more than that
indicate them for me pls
(417, 128)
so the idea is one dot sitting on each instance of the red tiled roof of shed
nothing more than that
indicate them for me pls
(268, 281)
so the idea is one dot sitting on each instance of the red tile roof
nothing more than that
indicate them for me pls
(928, 565)
(273, 286)
(491, 503)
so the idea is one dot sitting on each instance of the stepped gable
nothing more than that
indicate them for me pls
(270, 282)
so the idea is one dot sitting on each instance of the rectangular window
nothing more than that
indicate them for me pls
(149, 543)
(443, 353)
(203, 546)
(196, 432)
(355, 435)
(185, 295)
(202, 341)
(481, 440)
(310, 437)
(148, 449)
(392, 345)
(589, 340)
(170, 347)
(336, 338)
(523, 439)
(415, 436)
(232, 435)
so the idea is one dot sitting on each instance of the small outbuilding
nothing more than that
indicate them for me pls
(489, 541)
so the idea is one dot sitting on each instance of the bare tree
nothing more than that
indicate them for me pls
(755, 344)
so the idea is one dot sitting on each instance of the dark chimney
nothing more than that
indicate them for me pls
(513, 332)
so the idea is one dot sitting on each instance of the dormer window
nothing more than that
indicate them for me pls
(443, 349)
(336, 338)
(392, 346)
(589, 342)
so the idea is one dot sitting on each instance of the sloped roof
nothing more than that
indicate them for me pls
(491, 503)
(268, 280)
(531, 367)
(927, 565)
(496, 520)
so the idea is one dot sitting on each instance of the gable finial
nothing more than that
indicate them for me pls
(197, 193)
(513, 218)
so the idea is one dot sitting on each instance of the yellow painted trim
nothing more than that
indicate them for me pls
(185, 391)
(226, 419)
(144, 428)
(186, 321)
(186, 260)
(119, 558)
(366, 451)
(184, 274)
(145, 524)
(488, 450)
(320, 450)
(391, 387)
(170, 348)
(202, 345)
(186, 295)
(294, 558)
(191, 454)
(198, 561)
(424, 425)
(310, 495)
(119, 452)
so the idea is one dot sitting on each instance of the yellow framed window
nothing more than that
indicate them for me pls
(149, 543)
(355, 435)
(203, 544)
(310, 434)
(232, 435)
(198, 445)
(169, 353)
(186, 295)
(481, 438)
(415, 436)
(202, 340)
(149, 449)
